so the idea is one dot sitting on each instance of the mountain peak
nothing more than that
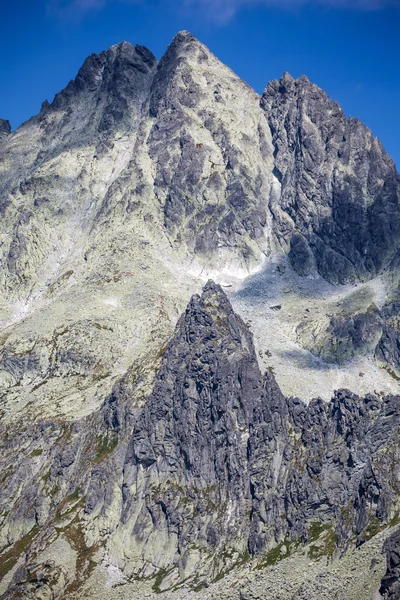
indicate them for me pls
(121, 45)
(213, 288)
(184, 36)
(286, 79)
(111, 84)
(5, 128)
(183, 40)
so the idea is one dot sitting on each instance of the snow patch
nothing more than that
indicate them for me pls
(113, 301)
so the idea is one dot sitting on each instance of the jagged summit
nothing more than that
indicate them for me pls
(109, 71)
(184, 35)
(215, 438)
(142, 423)
(5, 128)
(286, 79)
(184, 38)
(323, 159)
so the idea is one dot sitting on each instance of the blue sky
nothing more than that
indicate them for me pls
(353, 53)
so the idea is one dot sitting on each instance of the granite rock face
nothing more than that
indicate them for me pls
(213, 156)
(390, 587)
(109, 88)
(5, 129)
(388, 349)
(157, 446)
(347, 336)
(221, 462)
(339, 188)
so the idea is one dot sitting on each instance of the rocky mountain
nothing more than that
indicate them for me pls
(340, 189)
(153, 435)
(5, 128)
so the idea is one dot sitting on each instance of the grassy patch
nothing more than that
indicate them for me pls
(395, 520)
(200, 586)
(6, 474)
(84, 563)
(326, 547)
(104, 446)
(242, 560)
(64, 509)
(160, 576)
(315, 529)
(276, 554)
(392, 373)
(374, 526)
(9, 559)
(327, 540)
(37, 452)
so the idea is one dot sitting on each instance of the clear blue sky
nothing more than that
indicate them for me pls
(354, 54)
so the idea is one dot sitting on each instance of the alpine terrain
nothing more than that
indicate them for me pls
(199, 340)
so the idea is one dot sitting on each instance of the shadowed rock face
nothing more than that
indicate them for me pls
(339, 188)
(216, 467)
(110, 86)
(5, 129)
(136, 176)
(390, 586)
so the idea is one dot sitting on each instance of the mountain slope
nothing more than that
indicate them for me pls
(215, 471)
(141, 435)
(339, 187)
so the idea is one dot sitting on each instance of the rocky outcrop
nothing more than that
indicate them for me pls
(186, 480)
(221, 463)
(388, 349)
(390, 586)
(217, 468)
(346, 336)
(110, 87)
(339, 188)
(165, 452)
(5, 129)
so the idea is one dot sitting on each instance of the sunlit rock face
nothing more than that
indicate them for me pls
(142, 427)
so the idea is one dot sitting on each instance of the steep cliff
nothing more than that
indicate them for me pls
(339, 188)
(217, 469)
(152, 441)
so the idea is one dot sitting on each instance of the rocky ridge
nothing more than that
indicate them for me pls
(140, 180)
(5, 129)
(217, 469)
(334, 161)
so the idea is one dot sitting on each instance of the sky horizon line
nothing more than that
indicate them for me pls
(353, 55)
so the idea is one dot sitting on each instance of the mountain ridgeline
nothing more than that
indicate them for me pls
(234, 174)
(142, 438)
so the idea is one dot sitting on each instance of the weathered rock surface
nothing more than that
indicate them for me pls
(179, 459)
(345, 336)
(390, 587)
(388, 349)
(5, 129)
(339, 188)
(217, 442)
(213, 153)
(220, 468)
